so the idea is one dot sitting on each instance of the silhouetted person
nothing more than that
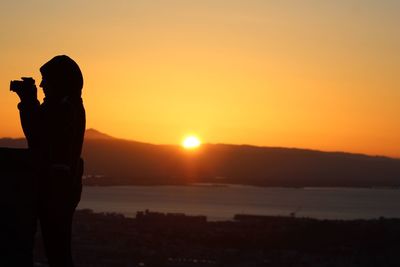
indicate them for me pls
(55, 131)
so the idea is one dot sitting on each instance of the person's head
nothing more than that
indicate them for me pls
(61, 77)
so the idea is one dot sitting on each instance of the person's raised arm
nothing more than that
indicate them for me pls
(29, 110)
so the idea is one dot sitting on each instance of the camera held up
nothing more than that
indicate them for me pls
(24, 84)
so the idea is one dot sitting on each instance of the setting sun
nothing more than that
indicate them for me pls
(191, 142)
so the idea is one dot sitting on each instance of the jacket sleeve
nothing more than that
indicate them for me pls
(30, 120)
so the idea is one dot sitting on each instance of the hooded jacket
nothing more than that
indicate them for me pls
(55, 129)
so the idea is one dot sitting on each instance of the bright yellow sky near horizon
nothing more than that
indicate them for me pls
(309, 74)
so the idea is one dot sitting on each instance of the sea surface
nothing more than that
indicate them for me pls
(222, 202)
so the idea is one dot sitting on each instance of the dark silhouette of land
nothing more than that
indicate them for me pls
(173, 240)
(112, 161)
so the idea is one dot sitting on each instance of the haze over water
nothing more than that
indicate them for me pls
(223, 202)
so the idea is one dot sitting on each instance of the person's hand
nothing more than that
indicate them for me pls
(28, 92)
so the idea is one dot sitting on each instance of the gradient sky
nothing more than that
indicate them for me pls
(309, 74)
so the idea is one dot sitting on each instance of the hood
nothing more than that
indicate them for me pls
(65, 74)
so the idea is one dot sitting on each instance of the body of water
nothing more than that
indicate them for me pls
(222, 202)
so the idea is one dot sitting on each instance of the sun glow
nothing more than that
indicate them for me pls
(191, 142)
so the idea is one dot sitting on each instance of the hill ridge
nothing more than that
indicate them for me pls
(127, 162)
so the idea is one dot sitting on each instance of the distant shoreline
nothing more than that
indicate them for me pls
(228, 185)
(222, 202)
(240, 217)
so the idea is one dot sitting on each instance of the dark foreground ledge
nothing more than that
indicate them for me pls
(16, 205)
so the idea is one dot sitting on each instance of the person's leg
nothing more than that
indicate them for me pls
(56, 209)
(56, 232)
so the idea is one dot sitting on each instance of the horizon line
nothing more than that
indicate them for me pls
(109, 137)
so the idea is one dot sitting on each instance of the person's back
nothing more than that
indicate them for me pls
(55, 131)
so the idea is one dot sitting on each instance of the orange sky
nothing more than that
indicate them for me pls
(309, 74)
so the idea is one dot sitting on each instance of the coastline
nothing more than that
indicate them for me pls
(223, 202)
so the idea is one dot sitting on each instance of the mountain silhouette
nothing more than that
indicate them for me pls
(113, 161)
(94, 134)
